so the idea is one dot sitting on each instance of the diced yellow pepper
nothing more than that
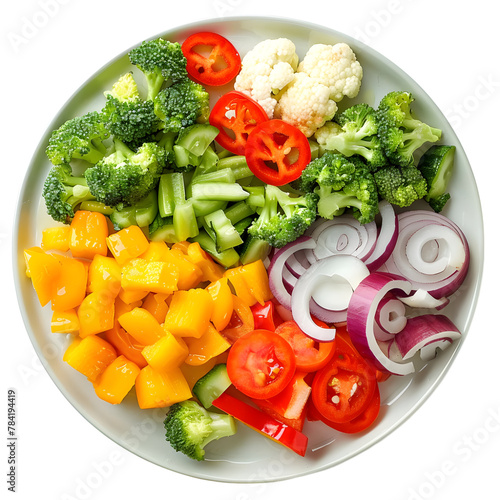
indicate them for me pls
(159, 277)
(105, 274)
(182, 246)
(193, 373)
(189, 313)
(166, 353)
(96, 313)
(56, 238)
(43, 268)
(223, 303)
(90, 356)
(190, 275)
(210, 269)
(142, 325)
(250, 282)
(132, 297)
(208, 346)
(70, 284)
(156, 304)
(156, 251)
(88, 234)
(116, 381)
(128, 243)
(161, 388)
(64, 321)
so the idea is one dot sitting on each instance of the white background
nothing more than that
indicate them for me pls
(451, 447)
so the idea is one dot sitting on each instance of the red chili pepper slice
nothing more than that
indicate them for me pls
(260, 364)
(236, 115)
(217, 68)
(277, 152)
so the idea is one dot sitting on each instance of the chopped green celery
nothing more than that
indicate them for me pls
(165, 233)
(218, 191)
(184, 159)
(223, 175)
(224, 153)
(239, 211)
(238, 164)
(141, 214)
(96, 206)
(254, 249)
(171, 191)
(197, 138)
(185, 223)
(242, 225)
(257, 196)
(205, 207)
(208, 163)
(227, 258)
(225, 233)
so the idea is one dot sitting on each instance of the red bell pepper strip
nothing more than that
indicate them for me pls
(265, 316)
(277, 152)
(263, 423)
(220, 66)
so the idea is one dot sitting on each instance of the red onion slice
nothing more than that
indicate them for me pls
(431, 252)
(277, 266)
(390, 318)
(361, 320)
(427, 334)
(331, 282)
(423, 299)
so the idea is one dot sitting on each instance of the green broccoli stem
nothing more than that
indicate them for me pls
(184, 220)
(222, 230)
(155, 82)
(218, 191)
(237, 164)
(223, 425)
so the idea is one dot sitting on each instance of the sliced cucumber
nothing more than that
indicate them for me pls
(212, 385)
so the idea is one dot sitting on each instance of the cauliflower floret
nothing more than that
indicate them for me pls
(334, 66)
(266, 70)
(306, 104)
(327, 130)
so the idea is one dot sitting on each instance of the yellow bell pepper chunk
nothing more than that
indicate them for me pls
(208, 346)
(128, 243)
(161, 388)
(250, 282)
(64, 322)
(190, 275)
(210, 269)
(56, 238)
(105, 274)
(156, 251)
(132, 297)
(223, 303)
(166, 353)
(142, 325)
(43, 268)
(88, 233)
(70, 284)
(90, 356)
(189, 313)
(159, 277)
(116, 381)
(156, 304)
(96, 313)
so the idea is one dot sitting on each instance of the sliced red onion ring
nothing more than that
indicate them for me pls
(387, 236)
(277, 266)
(426, 333)
(330, 282)
(423, 299)
(431, 252)
(390, 318)
(361, 319)
(343, 235)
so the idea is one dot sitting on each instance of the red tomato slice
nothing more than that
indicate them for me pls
(260, 364)
(309, 355)
(277, 152)
(265, 316)
(217, 68)
(236, 115)
(343, 388)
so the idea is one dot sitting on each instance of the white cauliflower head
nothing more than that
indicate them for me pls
(336, 67)
(266, 70)
(306, 104)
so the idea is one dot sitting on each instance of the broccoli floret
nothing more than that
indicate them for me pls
(342, 182)
(124, 177)
(400, 133)
(80, 137)
(160, 61)
(284, 217)
(63, 192)
(181, 105)
(400, 186)
(127, 116)
(189, 428)
(354, 132)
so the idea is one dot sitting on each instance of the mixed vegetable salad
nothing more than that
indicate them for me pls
(255, 260)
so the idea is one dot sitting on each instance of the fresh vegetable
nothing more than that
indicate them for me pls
(189, 428)
(212, 385)
(277, 152)
(236, 115)
(210, 70)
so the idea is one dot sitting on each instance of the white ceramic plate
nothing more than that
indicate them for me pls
(248, 457)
